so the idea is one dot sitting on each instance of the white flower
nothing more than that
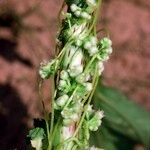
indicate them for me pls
(62, 83)
(93, 40)
(67, 132)
(109, 50)
(78, 30)
(64, 75)
(89, 108)
(73, 7)
(78, 42)
(74, 117)
(91, 2)
(93, 50)
(75, 70)
(106, 42)
(61, 101)
(88, 86)
(85, 15)
(77, 13)
(100, 114)
(87, 45)
(77, 59)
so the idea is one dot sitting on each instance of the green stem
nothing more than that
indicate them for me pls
(95, 16)
(95, 81)
(70, 99)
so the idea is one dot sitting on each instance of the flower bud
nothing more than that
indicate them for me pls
(78, 31)
(62, 83)
(75, 71)
(106, 42)
(85, 15)
(109, 50)
(64, 86)
(91, 3)
(76, 67)
(93, 40)
(74, 117)
(100, 114)
(64, 75)
(88, 45)
(61, 101)
(93, 50)
(95, 121)
(48, 69)
(73, 7)
(81, 78)
(78, 42)
(88, 86)
(77, 13)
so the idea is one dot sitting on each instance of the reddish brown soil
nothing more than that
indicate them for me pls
(28, 37)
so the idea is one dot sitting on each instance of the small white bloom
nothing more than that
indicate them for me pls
(93, 50)
(61, 101)
(62, 83)
(74, 117)
(91, 2)
(79, 30)
(77, 13)
(106, 42)
(100, 114)
(73, 7)
(85, 15)
(64, 75)
(89, 108)
(78, 42)
(66, 133)
(75, 70)
(77, 59)
(88, 86)
(87, 45)
(109, 50)
(105, 58)
(81, 78)
(93, 40)
(36, 143)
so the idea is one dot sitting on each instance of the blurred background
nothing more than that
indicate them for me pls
(27, 37)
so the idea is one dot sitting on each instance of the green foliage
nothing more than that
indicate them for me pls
(37, 136)
(123, 116)
(109, 139)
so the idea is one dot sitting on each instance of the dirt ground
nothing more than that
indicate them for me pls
(27, 37)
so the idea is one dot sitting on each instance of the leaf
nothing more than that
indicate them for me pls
(109, 139)
(36, 135)
(123, 115)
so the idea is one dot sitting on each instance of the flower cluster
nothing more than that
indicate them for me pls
(80, 64)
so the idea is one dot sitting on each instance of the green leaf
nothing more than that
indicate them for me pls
(123, 115)
(109, 139)
(37, 135)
